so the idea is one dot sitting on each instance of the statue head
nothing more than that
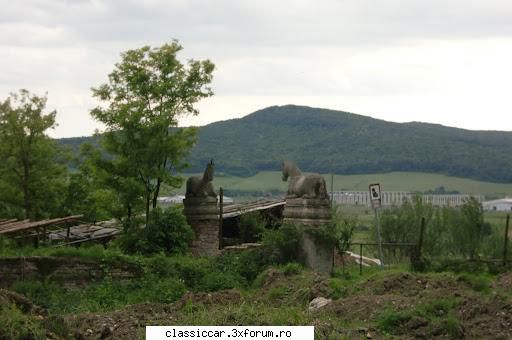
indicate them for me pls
(284, 172)
(209, 171)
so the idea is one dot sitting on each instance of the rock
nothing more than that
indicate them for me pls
(318, 303)
(106, 331)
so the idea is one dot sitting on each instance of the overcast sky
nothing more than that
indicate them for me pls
(439, 61)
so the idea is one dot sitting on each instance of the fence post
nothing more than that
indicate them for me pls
(221, 220)
(360, 259)
(420, 241)
(505, 244)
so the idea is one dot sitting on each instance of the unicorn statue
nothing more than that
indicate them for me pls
(305, 186)
(201, 187)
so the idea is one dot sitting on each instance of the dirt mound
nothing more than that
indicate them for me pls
(410, 284)
(221, 297)
(484, 317)
(130, 322)
(127, 323)
(366, 307)
(23, 304)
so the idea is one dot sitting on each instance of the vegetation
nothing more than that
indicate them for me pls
(167, 232)
(145, 95)
(449, 232)
(252, 227)
(32, 177)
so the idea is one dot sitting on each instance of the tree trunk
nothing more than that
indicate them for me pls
(27, 204)
(157, 191)
(148, 201)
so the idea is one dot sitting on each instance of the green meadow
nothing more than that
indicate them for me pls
(394, 181)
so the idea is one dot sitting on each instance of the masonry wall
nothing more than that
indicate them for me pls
(70, 272)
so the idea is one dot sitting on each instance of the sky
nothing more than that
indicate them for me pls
(438, 61)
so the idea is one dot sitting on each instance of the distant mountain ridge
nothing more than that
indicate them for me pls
(321, 140)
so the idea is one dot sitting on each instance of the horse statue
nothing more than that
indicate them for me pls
(305, 186)
(202, 187)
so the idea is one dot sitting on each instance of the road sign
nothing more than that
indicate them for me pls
(375, 196)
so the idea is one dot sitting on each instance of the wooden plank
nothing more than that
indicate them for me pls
(13, 224)
(31, 225)
(2, 222)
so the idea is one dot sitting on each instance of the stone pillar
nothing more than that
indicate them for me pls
(203, 216)
(311, 212)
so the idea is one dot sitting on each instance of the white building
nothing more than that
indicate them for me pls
(504, 204)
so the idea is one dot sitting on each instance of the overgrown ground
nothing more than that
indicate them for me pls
(228, 291)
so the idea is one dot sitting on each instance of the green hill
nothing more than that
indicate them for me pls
(325, 141)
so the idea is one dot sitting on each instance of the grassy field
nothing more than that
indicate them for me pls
(394, 181)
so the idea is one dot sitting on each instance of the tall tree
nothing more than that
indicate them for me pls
(31, 178)
(146, 94)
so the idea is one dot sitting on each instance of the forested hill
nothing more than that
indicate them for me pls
(321, 140)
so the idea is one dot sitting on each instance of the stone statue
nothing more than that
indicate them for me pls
(305, 186)
(202, 187)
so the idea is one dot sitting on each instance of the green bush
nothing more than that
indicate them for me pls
(167, 232)
(252, 226)
(283, 244)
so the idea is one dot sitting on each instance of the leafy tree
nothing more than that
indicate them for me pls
(144, 97)
(32, 178)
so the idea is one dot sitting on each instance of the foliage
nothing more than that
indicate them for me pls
(252, 226)
(448, 231)
(87, 193)
(14, 324)
(145, 95)
(344, 227)
(32, 177)
(402, 224)
(282, 244)
(167, 232)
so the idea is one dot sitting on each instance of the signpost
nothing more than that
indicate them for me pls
(376, 200)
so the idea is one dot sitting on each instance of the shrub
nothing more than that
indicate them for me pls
(282, 244)
(252, 227)
(167, 232)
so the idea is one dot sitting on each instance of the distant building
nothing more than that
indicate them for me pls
(504, 204)
(390, 198)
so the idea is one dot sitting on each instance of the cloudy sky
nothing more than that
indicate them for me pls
(439, 61)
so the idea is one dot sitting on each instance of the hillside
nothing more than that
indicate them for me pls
(325, 141)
